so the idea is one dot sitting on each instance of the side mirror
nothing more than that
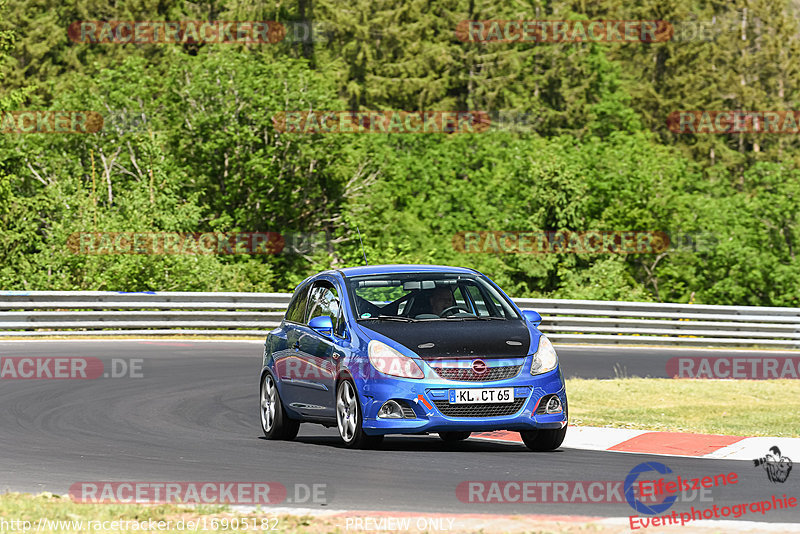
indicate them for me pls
(532, 317)
(322, 324)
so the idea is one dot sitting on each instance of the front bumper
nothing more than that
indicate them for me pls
(433, 413)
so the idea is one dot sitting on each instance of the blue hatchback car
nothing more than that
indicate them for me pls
(410, 349)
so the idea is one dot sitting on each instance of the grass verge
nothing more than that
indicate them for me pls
(733, 407)
(47, 513)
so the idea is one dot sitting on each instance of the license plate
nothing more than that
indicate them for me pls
(481, 396)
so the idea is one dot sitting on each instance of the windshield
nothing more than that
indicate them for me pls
(427, 297)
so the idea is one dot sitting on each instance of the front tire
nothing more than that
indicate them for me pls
(544, 439)
(274, 422)
(349, 419)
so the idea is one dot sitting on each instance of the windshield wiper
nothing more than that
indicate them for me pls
(468, 318)
(395, 318)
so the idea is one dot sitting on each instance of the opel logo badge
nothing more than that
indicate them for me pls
(479, 367)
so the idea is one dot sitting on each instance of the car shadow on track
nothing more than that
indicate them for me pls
(423, 444)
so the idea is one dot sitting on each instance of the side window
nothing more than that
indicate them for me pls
(297, 307)
(325, 302)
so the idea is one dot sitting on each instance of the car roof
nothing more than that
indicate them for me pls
(403, 269)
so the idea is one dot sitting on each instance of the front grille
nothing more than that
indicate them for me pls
(479, 410)
(466, 374)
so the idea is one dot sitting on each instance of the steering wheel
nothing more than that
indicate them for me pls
(453, 309)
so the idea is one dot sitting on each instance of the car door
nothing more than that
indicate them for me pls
(320, 353)
(287, 357)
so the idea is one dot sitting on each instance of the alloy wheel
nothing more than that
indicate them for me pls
(269, 402)
(346, 412)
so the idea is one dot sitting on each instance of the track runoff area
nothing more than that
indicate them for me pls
(171, 421)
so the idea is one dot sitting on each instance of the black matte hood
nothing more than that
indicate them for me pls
(458, 339)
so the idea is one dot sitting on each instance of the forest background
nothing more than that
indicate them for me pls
(579, 142)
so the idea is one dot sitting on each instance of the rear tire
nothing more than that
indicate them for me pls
(544, 439)
(349, 419)
(451, 437)
(274, 422)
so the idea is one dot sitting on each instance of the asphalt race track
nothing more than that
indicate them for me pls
(648, 362)
(193, 416)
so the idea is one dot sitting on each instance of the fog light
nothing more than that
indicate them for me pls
(553, 405)
(391, 410)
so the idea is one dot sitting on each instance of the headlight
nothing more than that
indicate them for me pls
(390, 362)
(545, 358)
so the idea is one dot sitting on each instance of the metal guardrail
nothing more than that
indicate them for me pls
(98, 313)
(69, 313)
(646, 323)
